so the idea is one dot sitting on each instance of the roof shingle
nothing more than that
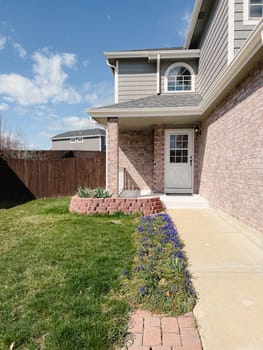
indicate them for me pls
(159, 101)
(81, 133)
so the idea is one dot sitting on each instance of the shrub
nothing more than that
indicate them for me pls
(101, 193)
(86, 192)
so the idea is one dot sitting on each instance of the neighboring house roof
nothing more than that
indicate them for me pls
(80, 133)
(159, 101)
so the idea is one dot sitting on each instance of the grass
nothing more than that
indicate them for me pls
(59, 274)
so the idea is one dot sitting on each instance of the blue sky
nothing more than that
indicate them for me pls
(52, 65)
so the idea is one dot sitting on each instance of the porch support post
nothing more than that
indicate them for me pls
(112, 159)
(158, 156)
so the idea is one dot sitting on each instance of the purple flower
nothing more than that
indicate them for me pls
(142, 290)
(139, 268)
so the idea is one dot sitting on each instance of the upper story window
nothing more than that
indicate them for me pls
(255, 8)
(76, 139)
(179, 77)
(253, 11)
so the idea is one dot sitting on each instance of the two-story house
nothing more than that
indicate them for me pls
(93, 139)
(190, 120)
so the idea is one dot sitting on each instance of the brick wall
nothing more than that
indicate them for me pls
(136, 156)
(89, 206)
(159, 157)
(230, 153)
(112, 160)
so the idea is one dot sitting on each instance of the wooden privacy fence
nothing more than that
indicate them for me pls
(52, 177)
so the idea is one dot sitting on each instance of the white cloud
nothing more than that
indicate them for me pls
(86, 63)
(3, 106)
(57, 124)
(47, 85)
(185, 20)
(3, 41)
(74, 122)
(20, 50)
(98, 94)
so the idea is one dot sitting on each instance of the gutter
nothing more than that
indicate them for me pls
(151, 54)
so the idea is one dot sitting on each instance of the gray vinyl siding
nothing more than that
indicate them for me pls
(88, 144)
(166, 64)
(214, 48)
(242, 31)
(137, 79)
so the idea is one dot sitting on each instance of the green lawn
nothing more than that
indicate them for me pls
(59, 273)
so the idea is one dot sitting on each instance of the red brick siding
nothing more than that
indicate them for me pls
(159, 154)
(112, 170)
(89, 206)
(230, 153)
(136, 156)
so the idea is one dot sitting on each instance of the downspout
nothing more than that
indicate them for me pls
(158, 74)
(116, 79)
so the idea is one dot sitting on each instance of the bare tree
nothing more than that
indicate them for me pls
(8, 139)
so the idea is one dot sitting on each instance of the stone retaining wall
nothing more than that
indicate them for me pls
(89, 206)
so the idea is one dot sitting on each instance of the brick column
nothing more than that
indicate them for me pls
(158, 159)
(112, 159)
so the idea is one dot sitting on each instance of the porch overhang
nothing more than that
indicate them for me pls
(138, 118)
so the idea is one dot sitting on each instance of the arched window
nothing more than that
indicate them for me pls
(179, 77)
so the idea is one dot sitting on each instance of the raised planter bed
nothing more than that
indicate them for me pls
(89, 206)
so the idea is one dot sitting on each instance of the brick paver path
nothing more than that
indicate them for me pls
(155, 332)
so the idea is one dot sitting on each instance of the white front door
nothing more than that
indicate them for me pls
(179, 161)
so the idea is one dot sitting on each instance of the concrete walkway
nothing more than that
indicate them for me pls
(226, 260)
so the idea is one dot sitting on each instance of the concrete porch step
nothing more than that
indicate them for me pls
(184, 201)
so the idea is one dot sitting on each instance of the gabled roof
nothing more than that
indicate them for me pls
(80, 133)
(199, 19)
(159, 101)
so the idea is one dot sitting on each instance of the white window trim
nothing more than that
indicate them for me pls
(246, 19)
(72, 140)
(80, 139)
(177, 64)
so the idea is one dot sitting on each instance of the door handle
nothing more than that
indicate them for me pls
(191, 160)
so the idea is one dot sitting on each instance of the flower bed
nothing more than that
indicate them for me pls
(158, 278)
(89, 206)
